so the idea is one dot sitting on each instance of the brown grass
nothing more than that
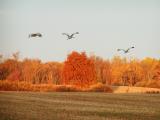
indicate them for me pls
(100, 88)
(14, 86)
(149, 83)
(128, 89)
(55, 88)
(152, 92)
(78, 106)
(22, 86)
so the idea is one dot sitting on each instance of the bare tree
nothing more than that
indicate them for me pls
(1, 58)
(16, 55)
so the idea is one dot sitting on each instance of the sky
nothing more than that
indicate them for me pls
(104, 26)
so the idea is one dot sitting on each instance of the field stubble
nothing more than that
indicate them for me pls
(78, 106)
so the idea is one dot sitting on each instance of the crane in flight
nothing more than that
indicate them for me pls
(125, 50)
(70, 36)
(35, 35)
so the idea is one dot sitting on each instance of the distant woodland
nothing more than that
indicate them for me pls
(79, 71)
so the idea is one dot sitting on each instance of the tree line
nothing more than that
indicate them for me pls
(82, 71)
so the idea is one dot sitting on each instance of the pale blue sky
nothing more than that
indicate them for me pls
(104, 26)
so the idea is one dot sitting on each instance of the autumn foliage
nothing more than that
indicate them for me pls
(78, 72)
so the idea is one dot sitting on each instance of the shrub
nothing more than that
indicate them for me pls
(22, 86)
(14, 86)
(152, 92)
(54, 88)
(66, 88)
(99, 87)
(149, 83)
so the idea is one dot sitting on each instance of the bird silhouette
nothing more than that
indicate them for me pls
(125, 50)
(70, 36)
(35, 35)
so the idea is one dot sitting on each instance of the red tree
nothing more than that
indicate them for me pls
(78, 70)
(14, 76)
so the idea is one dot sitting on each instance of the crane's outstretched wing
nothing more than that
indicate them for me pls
(39, 34)
(74, 34)
(125, 51)
(65, 34)
(31, 35)
(130, 48)
(120, 50)
(35, 35)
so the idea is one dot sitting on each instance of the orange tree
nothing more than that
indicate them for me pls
(78, 70)
(9, 69)
(103, 70)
